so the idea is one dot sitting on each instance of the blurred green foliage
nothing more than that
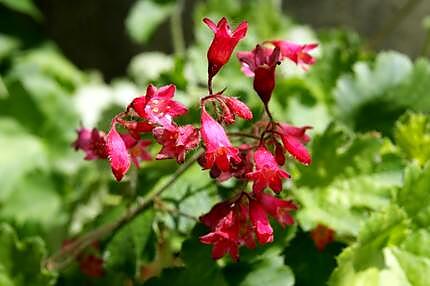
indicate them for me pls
(369, 181)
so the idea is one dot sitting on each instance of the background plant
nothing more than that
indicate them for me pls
(368, 181)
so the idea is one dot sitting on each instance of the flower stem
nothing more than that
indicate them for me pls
(176, 29)
(66, 255)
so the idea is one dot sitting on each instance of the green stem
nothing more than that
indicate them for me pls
(66, 255)
(176, 28)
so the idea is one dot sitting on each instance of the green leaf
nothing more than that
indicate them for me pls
(303, 257)
(369, 261)
(144, 18)
(415, 195)
(269, 270)
(21, 153)
(8, 45)
(415, 267)
(34, 201)
(366, 92)
(199, 268)
(124, 251)
(193, 194)
(20, 261)
(23, 6)
(412, 134)
(350, 177)
(412, 93)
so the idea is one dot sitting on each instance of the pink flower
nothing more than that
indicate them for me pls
(176, 142)
(260, 63)
(277, 208)
(92, 142)
(260, 222)
(267, 172)
(297, 53)
(223, 43)
(238, 108)
(136, 128)
(118, 154)
(225, 237)
(136, 148)
(294, 139)
(219, 151)
(157, 105)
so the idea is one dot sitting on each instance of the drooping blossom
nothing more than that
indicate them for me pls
(157, 106)
(238, 108)
(118, 156)
(92, 142)
(136, 148)
(258, 216)
(237, 169)
(176, 142)
(296, 53)
(225, 237)
(322, 236)
(219, 151)
(294, 139)
(267, 173)
(223, 44)
(230, 226)
(261, 63)
(277, 208)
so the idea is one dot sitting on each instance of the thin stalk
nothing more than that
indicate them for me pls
(65, 256)
(176, 28)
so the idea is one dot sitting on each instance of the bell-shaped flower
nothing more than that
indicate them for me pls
(224, 238)
(92, 142)
(219, 150)
(267, 173)
(297, 53)
(277, 208)
(261, 63)
(176, 142)
(157, 106)
(223, 44)
(118, 156)
(294, 139)
(262, 227)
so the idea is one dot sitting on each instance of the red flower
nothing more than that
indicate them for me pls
(277, 208)
(267, 172)
(219, 150)
(91, 265)
(238, 108)
(225, 237)
(157, 105)
(176, 142)
(223, 43)
(260, 63)
(118, 154)
(92, 142)
(322, 236)
(136, 148)
(260, 222)
(297, 53)
(294, 139)
(136, 128)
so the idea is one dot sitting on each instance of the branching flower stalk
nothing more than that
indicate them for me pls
(243, 219)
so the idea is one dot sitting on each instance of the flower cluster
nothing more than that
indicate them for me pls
(242, 220)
